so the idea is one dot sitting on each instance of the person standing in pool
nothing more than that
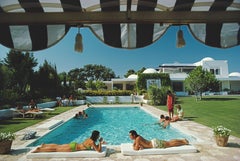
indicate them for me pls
(141, 143)
(166, 123)
(162, 119)
(88, 144)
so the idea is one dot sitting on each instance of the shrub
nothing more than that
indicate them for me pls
(104, 99)
(107, 93)
(157, 95)
(221, 131)
(7, 136)
(117, 99)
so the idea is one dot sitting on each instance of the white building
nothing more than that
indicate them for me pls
(178, 72)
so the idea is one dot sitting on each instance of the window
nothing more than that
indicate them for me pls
(212, 71)
(217, 71)
(177, 86)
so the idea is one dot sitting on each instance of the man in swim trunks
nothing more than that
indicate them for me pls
(141, 143)
(88, 144)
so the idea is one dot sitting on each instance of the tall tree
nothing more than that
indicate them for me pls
(97, 72)
(200, 80)
(141, 70)
(21, 65)
(47, 82)
(5, 77)
(129, 72)
(63, 78)
(77, 78)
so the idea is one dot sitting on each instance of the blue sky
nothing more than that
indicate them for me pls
(121, 60)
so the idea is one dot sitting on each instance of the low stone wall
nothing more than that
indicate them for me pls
(47, 104)
(79, 102)
(6, 114)
(114, 99)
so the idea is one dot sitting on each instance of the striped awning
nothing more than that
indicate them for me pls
(31, 25)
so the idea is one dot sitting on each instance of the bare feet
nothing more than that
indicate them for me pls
(186, 141)
(37, 150)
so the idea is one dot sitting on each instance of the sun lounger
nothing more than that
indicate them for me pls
(29, 112)
(127, 149)
(46, 109)
(34, 114)
(76, 154)
(18, 112)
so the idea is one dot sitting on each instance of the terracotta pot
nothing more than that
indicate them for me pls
(5, 147)
(221, 140)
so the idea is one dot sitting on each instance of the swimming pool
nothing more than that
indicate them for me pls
(114, 124)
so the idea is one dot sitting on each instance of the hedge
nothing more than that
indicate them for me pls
(107, 93)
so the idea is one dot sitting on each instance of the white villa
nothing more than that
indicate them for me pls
(178, 72)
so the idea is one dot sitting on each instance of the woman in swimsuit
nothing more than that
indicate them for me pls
(180, 114)
(88, 144)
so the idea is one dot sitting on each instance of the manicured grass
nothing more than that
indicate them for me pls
(16, 124)
(212, 111)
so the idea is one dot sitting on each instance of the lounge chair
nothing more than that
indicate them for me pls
(47, 109)
(76, 154)
(127, 149)
(34, 114)
(18, 112)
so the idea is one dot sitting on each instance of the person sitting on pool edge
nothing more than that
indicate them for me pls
(180, 114)
(88, 144)
(141, 143)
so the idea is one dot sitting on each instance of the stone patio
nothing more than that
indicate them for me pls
(207, 148)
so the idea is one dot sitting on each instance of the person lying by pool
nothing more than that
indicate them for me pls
(88, 144)
(141, 143)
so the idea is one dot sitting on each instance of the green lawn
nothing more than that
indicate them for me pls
(16, 124)
(212, 111)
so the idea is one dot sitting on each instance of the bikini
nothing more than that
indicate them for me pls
(73, 146)
(87, 147)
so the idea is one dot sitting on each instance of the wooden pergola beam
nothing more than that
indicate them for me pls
(76, 18)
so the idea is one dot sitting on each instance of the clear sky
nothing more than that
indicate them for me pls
(121, 60)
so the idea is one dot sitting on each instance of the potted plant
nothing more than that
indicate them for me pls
(221, 134)
(6, 139)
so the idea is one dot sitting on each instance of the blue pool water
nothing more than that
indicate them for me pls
(114, 125)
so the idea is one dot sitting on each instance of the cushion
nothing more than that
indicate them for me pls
(75, 154)
(127, 149)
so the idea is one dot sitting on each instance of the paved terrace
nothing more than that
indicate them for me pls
(207, 148)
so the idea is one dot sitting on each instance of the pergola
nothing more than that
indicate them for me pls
(31, 25)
